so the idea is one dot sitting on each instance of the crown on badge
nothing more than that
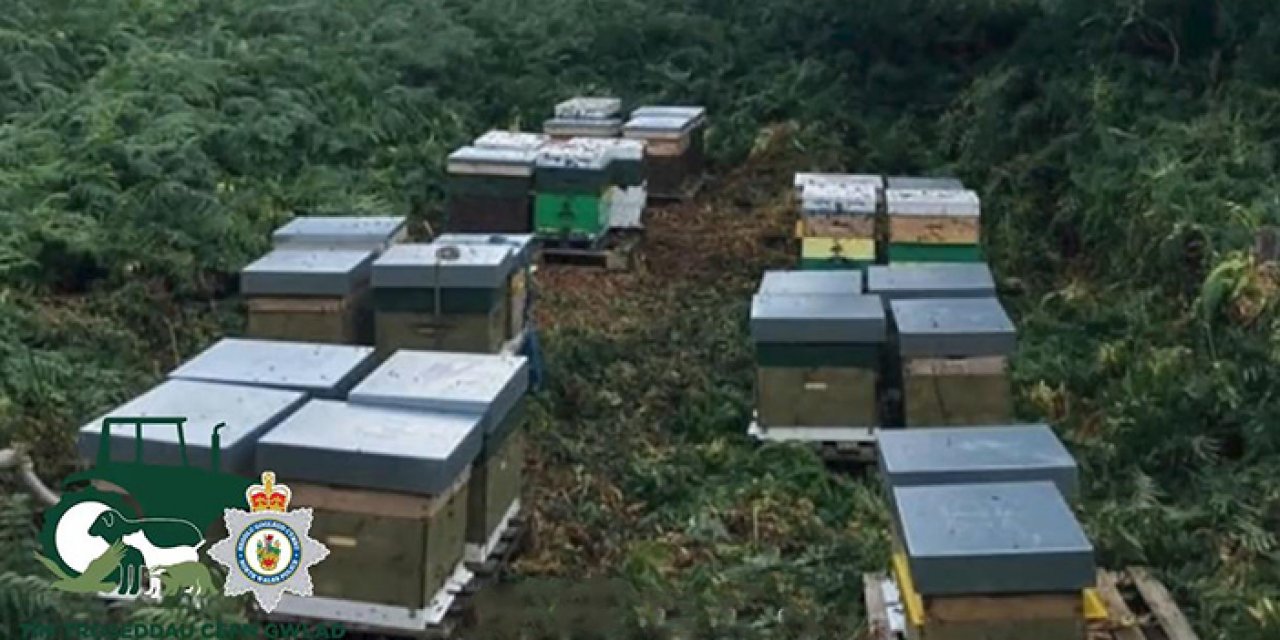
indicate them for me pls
(268, 496)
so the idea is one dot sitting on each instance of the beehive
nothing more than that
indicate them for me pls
(573, 186)
(839, 224)
(925, 280)
(589, 107)
(803, 181)
(816, 359)
(489, 189)
(248, 412)
(976, 455)
(673, 139)
(585, 117)
(388, 489)
(370, 233)
(933, 225)
(491, 387)
(997, 560)
(452, 297)
(318, 370)
(309, 295)
(520, 284)
(954, 358)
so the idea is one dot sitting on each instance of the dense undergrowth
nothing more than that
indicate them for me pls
(1125, 151)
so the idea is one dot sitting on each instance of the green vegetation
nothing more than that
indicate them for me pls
(1125, 151)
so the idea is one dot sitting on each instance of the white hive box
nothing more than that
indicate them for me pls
(932, 203)
(319, 370)
(835, 199)
(586, 107)
(492, 161)
(510, 140)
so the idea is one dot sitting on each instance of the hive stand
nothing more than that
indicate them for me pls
(613, 251)
(1134, 605)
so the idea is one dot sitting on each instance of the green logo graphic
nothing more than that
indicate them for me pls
(122, 523)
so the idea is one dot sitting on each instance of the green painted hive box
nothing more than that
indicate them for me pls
(914, 252)
(582, 216)
(817, 358)
(443, 296)
(492, 387)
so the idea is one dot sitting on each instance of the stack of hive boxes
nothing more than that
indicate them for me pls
(673, 145)
(573, 191)
(954, 359)
(921, 280)
(401, 478)
(584, 117)
(817, 340)
(627, 179)
(313, 286)
(837, 228)
(519, 285)
(489, 184)
(450, 296)
(930, 221)
(985, 544)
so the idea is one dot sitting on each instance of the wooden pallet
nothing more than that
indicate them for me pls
(690, 191)
(515, 539)
(1138, 608)
(613, 251)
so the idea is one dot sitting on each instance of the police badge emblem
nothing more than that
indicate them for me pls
(269, 549)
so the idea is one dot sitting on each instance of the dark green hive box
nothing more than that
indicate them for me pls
(913, 252)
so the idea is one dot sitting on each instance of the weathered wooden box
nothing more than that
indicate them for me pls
(489, 189)
(309, 295)
(318, 370)
(997, 560)
(975, 455)
(954, 359)
(491, 387)
(370, 233)
(565, 128)
(247, 411)
(817, 357)
(388, 487)
(673, 138)
(446, 296)
(922, 216)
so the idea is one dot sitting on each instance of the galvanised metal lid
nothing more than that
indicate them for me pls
(973, 539)
(307, 272)
(583, 127)
(322, 370)
(582, 107)
(492, 160)
(931, 280)
(521, 243)
(817, 318)
(976, 454)
(349, 232)
(510, 140)
(445, 265)
(615, 148)
(658, 125)
(831, 198)
(487, 385)
(924, 202)
(371, 447)
(697, 115)
(835, 282)
(571, 156)
(953, 327)
(805, 180)
(246, 411)
(932, 184)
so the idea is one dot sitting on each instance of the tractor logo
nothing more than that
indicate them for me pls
(269, 549)
(128, 529)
